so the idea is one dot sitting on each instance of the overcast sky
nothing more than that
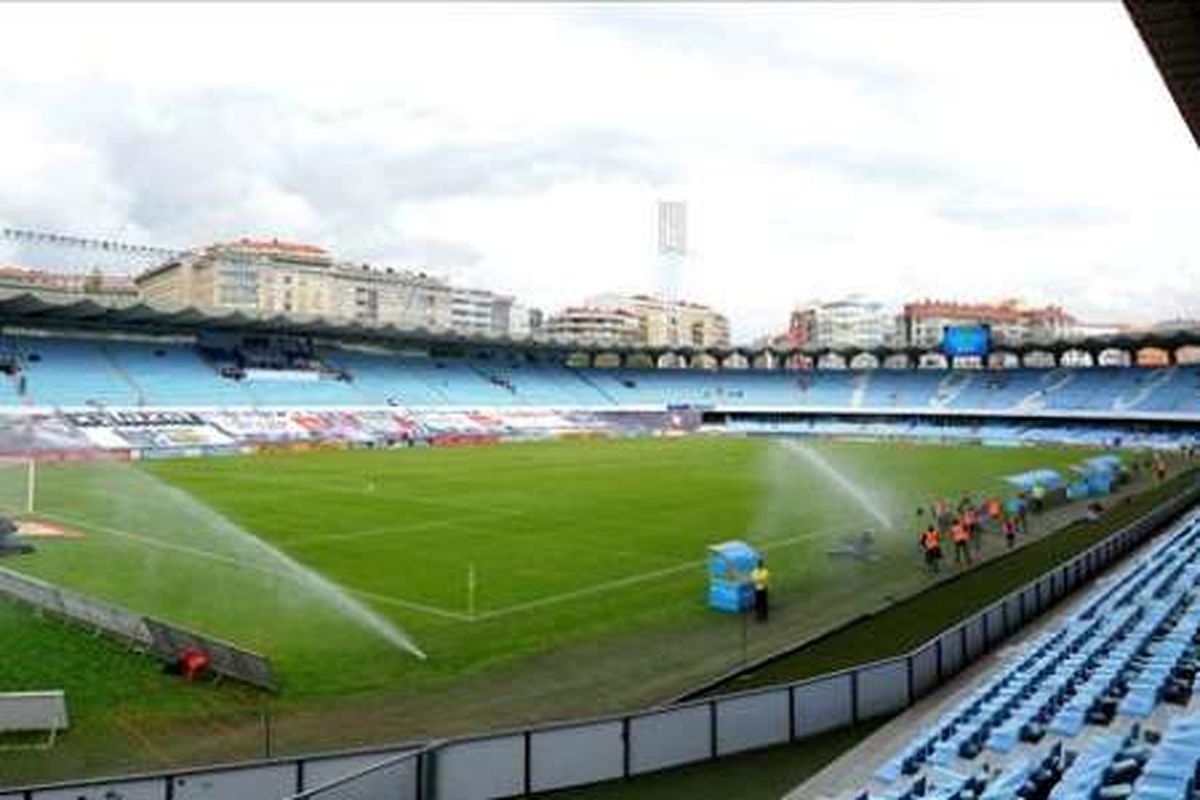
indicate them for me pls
(970, 151)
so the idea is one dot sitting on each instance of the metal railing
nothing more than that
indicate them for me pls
(580, 752)
(141, 632)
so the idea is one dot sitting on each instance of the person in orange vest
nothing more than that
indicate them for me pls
(996, 512)
(960, 534)
(931, 541)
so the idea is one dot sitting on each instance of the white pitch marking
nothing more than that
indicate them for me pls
(630, 580)
(381, 530)
(563, 597)
(402, 495)
(229, 560)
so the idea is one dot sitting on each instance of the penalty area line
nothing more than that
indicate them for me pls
(435, 611)
(587, 590)
(382, 530)
(410, 605)
(632, 580)
(260, 568)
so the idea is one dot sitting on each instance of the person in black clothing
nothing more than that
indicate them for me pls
(761, 578)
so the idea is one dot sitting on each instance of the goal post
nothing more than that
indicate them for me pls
(18, 486)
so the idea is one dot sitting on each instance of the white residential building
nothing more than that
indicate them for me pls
(666, 323)
(1011, 323)
(849, 322)
(274, 277)
(589, 325)
(478, 312)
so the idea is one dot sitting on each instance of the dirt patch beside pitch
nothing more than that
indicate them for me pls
(39, 529)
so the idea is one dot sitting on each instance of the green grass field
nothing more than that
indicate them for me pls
(587, 560)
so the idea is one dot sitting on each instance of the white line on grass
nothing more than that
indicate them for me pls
(630, 580)
(381, 530)
(394, 494)
(410, 605)
(240, 564)
(588, 590)
(159, 543)
(574, 594)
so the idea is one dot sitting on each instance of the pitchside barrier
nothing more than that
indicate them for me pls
(225, 659)
(580, 752)
(143, 633)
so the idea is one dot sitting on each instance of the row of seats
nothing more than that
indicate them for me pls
(69, 372)
(1094, 690)
(1139, 764)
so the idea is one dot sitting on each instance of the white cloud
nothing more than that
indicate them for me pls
(973, 150)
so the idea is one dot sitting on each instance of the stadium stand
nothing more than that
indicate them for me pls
(74, 372)
(1100, 705)
(69, 372)
(172, 375)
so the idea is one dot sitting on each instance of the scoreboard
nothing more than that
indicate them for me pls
(966, 340)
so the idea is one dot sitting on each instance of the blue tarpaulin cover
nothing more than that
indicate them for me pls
(1106, 463)
(1025, 481)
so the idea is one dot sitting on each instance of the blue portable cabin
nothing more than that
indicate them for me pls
(730, 588)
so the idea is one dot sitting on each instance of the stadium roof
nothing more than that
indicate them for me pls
(70, 311)
(63, 311)
(1171, 31)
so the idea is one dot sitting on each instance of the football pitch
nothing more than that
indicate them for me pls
(537, 580)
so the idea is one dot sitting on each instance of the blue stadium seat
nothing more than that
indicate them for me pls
(1086, 688)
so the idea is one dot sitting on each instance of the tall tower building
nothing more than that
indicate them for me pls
(672, 252)
(672, 227)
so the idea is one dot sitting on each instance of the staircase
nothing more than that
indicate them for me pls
(861, 383)
(26, 399)
(1126, 403)
(123, 374)
(594, 386)
(368, 399)
(950, 387)
(1051, 382)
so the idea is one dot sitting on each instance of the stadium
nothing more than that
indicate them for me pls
(253, 555)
